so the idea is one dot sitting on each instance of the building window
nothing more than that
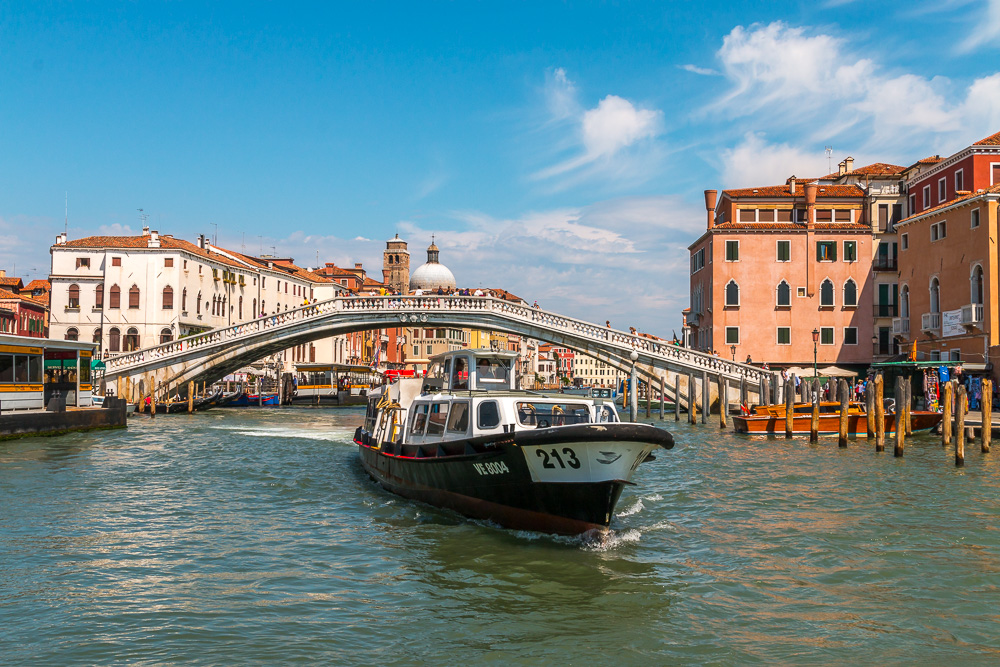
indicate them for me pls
(732, 335)
(959, 181)
(784, 251)
(975, 218)
(82, 262)
(939, 230)
(904, 241)
(132, 339)
(913, 204)
(74, 297)
(850, 335)
(826, 251)
(850, 293)
(927, 197)
(732, 294)
(850, 251)
(184, 299)
(241, 308)
(168, 262)
(72, 334)
(976, 284)
(185, 264)
(114, 339)
(784, 294)
(698, 261)
(826, 336)
(732, 251)
(935, 295)
(133, 297)
(166, 335)
(96, 338)
(168, 298)
(784, 335)
(935, 355)
(826, 294)
(116, 261)
(942, 190)
(115, 297)
(197, 304)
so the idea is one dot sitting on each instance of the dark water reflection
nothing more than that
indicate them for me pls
(254, 537)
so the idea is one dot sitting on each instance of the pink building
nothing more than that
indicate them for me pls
(777, 263)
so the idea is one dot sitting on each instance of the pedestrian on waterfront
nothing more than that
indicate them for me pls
(607, 323)
(765, 367)
(749, 360)
(440, 291)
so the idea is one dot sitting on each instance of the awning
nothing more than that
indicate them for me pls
(97, 365)
(975, 368)
(836, 372)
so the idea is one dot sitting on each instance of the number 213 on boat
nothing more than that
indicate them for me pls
(552, 457)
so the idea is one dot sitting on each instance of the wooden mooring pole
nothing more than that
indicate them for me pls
(946, 419)
(190, 397)
(663, 396)
(692, 400)
(649, 398)
(900, 416)
(961, 404)
(789, 406)
(706, 397)
(908, 405)
(677, 398)
(844, 405)
(870, 408)
(879, 400)
(814, 421)
(723, 401)
(987, 410)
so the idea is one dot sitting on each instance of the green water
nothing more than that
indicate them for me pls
(250, 537)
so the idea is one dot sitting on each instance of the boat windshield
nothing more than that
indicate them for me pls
(544, 415)
(492, 373)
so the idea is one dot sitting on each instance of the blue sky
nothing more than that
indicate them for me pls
(558, 150)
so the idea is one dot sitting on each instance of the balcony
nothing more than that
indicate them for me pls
(885, 310)
(972, 314)
(885, 264)
(931, 323)
(901, 326)
(692, 319)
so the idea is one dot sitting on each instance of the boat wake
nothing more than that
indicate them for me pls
(258, 432)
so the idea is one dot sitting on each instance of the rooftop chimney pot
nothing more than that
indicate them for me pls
(711, 197)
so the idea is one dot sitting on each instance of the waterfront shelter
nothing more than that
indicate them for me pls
(777, 263)
(33, 370)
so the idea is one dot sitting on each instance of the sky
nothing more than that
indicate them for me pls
(558, 150)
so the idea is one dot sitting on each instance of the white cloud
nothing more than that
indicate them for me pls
(116, 229)
(986, 28)
(787, 77)
(694, 69)
(613, 140)
(755, 162)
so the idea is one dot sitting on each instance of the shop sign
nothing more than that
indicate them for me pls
(951, 323)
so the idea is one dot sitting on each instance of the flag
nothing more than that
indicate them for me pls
(377, 357)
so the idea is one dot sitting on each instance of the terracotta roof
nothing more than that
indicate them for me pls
(7, 294)
(875, 169)
(9, 281)
(972, 195)
(772, 191)
(39, 284)
(820, 226)
(992, 140)
(503, 294)
(166, 242)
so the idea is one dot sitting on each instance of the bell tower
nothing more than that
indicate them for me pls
(396, 265)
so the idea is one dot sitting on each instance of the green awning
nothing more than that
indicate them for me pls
(97, 365)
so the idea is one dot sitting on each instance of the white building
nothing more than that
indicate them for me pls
(130, 292)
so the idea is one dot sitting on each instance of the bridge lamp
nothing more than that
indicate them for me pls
(815, 333)
(732, 348)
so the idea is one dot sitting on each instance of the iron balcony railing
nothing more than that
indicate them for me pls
(931, 323)
(901, 326)
(885, 264)
(885, 310)
(972, 314)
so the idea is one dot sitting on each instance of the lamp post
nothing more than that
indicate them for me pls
(815, 351)
(874, 344)
(732, 348)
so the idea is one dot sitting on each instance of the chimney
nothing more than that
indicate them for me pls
(849, 164)
(842, 167)
(811, 189)
(711, 197)
(3, 273)
(791, 185)
(154, 239)
(145, 230)
(357, 265)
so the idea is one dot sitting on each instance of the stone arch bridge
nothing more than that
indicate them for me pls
(214, 354)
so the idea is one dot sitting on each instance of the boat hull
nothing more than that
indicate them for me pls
(829, 423)
(564, 480)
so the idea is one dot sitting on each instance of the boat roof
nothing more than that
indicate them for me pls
(477, 351)
(333, 367)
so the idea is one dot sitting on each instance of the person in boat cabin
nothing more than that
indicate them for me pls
(460, 375)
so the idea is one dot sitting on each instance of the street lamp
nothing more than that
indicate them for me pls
(815, 351)
(732, 348)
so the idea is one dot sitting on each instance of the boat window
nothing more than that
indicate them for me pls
(491, 373)
(437, 419)
(544, 415)
(447, 368)
(460, 373)
(489, 414)
(419, 419)
(458, 420)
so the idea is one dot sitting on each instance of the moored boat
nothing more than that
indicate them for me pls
(466, 440)
(770, 420)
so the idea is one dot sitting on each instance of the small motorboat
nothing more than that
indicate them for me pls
(770, 419)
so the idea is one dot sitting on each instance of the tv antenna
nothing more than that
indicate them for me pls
(66, 225)
(143, 216)
(829, 159)
(215, 234)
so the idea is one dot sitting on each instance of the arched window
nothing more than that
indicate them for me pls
(826, 293)
(254, 314)
(784, 294)
(114, 340)
(166, 335)
(72, 334)
(96, 338)
(732, 293)
(904, 301)
(197, 304)
(74, 297)
(168, 298)
(241, 308)
(935, 291)
(133, 297)
(99, 296)
(850, 293)
(115, 297)
(131, 339)
(184, 299)
(976, 284)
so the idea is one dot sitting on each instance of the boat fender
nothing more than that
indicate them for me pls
(744, 409)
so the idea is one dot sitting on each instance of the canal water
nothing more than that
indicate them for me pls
(248, 537)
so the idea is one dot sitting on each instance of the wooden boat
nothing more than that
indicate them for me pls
(252, 400)
(770, 420)
(181, 405)
(465, 439)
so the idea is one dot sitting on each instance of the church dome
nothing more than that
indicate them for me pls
(432, 274)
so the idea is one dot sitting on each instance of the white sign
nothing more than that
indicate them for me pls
(951, 323)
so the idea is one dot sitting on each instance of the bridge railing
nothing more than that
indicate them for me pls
(408, 310)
